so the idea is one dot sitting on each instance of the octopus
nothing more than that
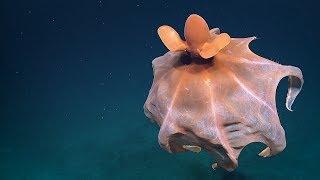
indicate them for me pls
(211, 92)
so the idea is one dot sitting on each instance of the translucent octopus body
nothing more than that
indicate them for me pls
(217, 95)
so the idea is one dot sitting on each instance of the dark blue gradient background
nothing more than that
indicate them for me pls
(74, 76)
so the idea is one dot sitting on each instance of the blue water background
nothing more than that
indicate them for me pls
(74, 76)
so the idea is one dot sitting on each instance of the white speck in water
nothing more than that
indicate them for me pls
(109, 76)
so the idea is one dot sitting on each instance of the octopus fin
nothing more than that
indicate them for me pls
(211, 48)
(171, 38)
(196, 31)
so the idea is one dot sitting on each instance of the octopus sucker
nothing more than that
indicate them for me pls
(211, 93)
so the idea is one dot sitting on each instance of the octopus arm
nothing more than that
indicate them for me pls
(240, 53)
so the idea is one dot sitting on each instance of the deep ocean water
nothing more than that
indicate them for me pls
(74, 77)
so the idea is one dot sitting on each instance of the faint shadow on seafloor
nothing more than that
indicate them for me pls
(234, 175)
(199, 171)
